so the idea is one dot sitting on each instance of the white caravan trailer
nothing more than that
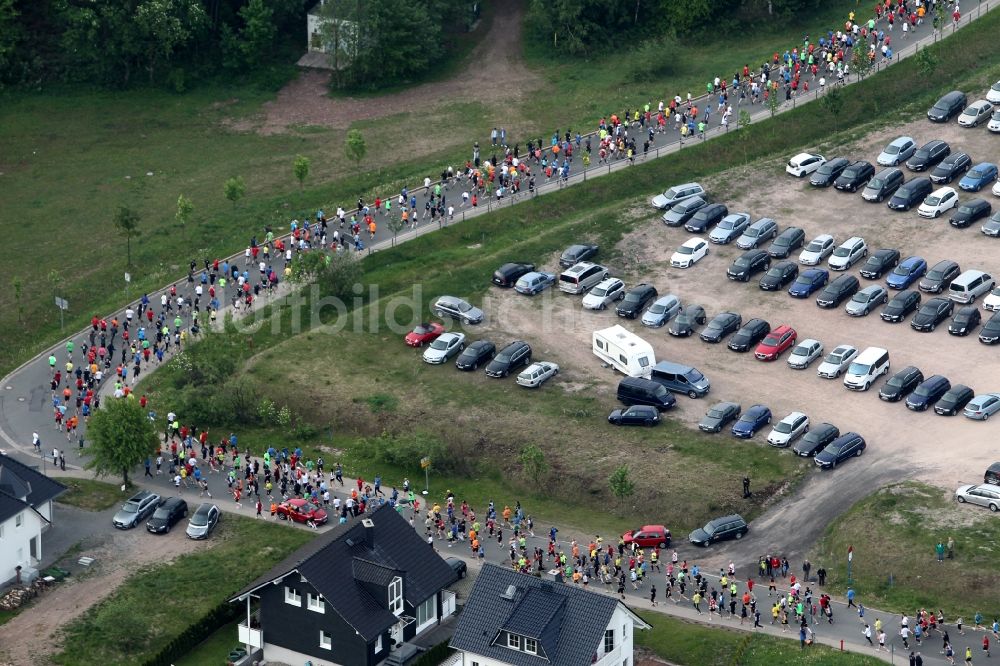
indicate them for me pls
(624, 351)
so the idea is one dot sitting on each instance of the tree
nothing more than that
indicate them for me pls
(861, 64)
(395, 226)
(927, 62)
(127, 222)
(252, 44)
(18, 286)
(356, 147)
(183, 214)
(743, 123)
(164, 26)
(622, 485)
(121, 435)
(235, 188)
(833, 103)
(301, 169)
(534, 464)
(773, 103)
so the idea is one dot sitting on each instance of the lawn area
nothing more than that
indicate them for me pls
(214, 649)
(139, 619)
(894, 532)
(92, 495)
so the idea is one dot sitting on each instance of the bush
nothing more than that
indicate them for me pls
(435, 656)
(201, 629)
(405, 449)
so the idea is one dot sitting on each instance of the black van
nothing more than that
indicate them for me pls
(947, 107)
(911, 193)
(884, 184)
(639, 391)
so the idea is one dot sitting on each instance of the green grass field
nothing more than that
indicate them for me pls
(92, 495)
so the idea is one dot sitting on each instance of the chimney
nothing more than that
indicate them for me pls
(369, 532)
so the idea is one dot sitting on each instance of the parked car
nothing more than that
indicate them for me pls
(939, 201)
(509, 358)
(815, 440)
(729, 228)
(939, 276)
(927, 393)
(477, 353)
(932, 313)
(689, 253)
(718, 416)
(981, 495)
(749, 335)
(763, 229)
(965, 321)
(778, 276)
(947, 107)
(299, 510)
(719, 529)
(897, 151)
(423, 334)
(537, 374)
(685, 323)
(992, 226)
(910, 193)
(982, 407)
(870, 297)
(804, 164)
(574, 254)
(136, 509)
(721, 325)
(817, 250)
(787, 241)
(994, 93)
(928, 155)
(581, 277)
(809, 282)
(990, 332)
(169, 513)
(636, 299)
(883, 184)
(977, 112)
(775, 343)
(643, 415)
(954, 401)
(534, 282)
(994, 124)
(604, 294)
(992, 302)
(677, 194)
(979, 177)
(834, 293)
(996, 188)
(456, 308)
(844, 447)
(203, 521)
(678, 214)
(508, 274)
(900, 307)
(901, 384)
(706, 217)
(458, 566)
(788, 429)
(804, 353)
(970, 285)
(747, 264)
(854, 176)
(828, 172)
(969, 212)
(950, 167)
(879, 262)
(648, 536)
(906, 273)
(444, 348)
(751, 421)
(661, 311)
(837, 361)
(848, 253)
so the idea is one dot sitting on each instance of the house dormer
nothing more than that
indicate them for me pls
(382, 582)
(535, 620)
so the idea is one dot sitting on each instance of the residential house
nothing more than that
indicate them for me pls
(26, 498)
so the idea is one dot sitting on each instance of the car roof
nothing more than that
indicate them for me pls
(980, 103)
(763, 221)
(837, 161)
(653, 527)
(944, 263)
(823, 237)
(793, 416)
(170, 502)
(900, 140)
(914, 259)
(808, 342)
(449, 336)
(204, 508)
(853, 240)
(693, 242)
(480, 343)
(727, 519)
(985, 165)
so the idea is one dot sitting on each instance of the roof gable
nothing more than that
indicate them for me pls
(25, 486)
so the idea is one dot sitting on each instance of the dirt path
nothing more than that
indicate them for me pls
(495, 73)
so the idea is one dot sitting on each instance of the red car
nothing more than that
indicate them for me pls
(301, 511)
(776, 342)
(648, 536)
(423, 334)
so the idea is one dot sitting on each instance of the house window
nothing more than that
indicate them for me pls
(325, 640)
(19, 520)
(609, 640)
(292, 597)
(427, 611)
(531, 645)
(514, 641)
(396, 596)
(378, 644)
(315, 602)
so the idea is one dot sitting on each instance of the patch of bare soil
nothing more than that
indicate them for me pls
(495, 74)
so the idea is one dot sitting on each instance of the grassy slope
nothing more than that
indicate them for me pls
(91, 495)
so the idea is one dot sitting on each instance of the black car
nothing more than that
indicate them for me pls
(684, 323)
(748, 263)
(856, 175)
(955, 400)
(883, 184)
(574, 254)
(719, 416)
(846, 446)
(168, 514)
(508, 274)
(965, 214)
(900, 307)
(992, 226)
(719, 529)
(749, 335)
(932, 313)
(939, 276)
(928, 155)
(779, 275)
(951, 167)
(815, 440)
(682, 211)
(707, 217)
(788, 240)
(911, 193)
(635, 301)
(722, 325)
(475, 354)
(829, 172)
(928, 392)
(643, 415)
(834, 293)
(965, 320)
(947, 107)
(990, 333)
(879, 262)
(901, 384)
(458, 565)
(509, 358)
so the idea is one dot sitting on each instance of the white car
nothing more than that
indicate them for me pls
(984, 494)
(788, 429)
(804, 353)
(940, 200)
(444, 347)
(537, 373)
(817, 250)
(690, 253)
(975, 113)
(994, 94)
(837, 361)
(994, 124)
(804, 164)
(996, 188)
(604, 294)
(848, 253)
(992, 302)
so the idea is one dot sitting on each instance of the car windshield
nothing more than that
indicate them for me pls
(752, 232)
(842, 252)
(975, 173)
(684, 249)
(716, 413)
(971, 111)
(130, 508)
(964, 209)
(857, 369)
(923, 390)
(825, 170)
(463, 306)
(599, 291)
(633, 298)
(200, 519)
(162, 512)
(891, 149)
(850, 173)
(782, 240)
(815, 246)
(709, 529)
(804, 279)
(996, 115)
(895, 382)
(833, 448)
(503, 358)
(685, 206)
(875, 183)
(742, 262)
(961, 319)
(727, 225)
(783, 427)
(423, 328)
(777, 271)
(800, 351)
(658, 308)
(935, 274)
(439, 344)
(771, 340)
(921, 154)
(902, 269)
(932, 200)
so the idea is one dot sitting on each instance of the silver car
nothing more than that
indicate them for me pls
(983, 494)
(661, 311)
(444, 347)
(837, 361)
(763, 229)
(604, 294)
(535, 374)
(866, 299)
(456, 308)
(982, 406)
(204, 520)
(804, 353)
(677, 194)
(729, 228)
(136, 509)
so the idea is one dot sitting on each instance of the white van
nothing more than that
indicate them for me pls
(970, 285)
(868, 366)
(624, 351)
(581, 277)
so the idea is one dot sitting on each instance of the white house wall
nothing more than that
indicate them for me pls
(15, 546)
